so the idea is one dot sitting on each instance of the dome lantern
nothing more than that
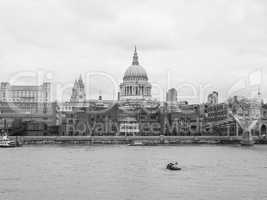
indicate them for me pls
(135, 57)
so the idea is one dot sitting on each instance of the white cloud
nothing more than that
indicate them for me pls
(207, 41)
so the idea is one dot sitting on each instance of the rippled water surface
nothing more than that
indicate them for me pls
(124, 172)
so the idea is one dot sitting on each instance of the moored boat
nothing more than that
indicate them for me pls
(6, 142)
(136, 143)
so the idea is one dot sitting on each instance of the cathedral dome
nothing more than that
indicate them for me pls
(135, 71)
(135, 83)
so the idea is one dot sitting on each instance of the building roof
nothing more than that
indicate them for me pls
(24, 87)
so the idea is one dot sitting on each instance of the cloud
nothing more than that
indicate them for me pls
(208, 41)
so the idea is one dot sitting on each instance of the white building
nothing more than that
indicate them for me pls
(28, 99)
(29, 93)
(28, 102)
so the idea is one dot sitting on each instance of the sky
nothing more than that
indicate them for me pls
(195, 46)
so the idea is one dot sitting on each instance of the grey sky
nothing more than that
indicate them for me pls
(215, 43)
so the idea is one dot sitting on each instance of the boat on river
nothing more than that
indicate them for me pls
(6, 142)
(173, 166)
(136, 143)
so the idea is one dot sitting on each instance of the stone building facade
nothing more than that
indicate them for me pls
(213, 98)
(172, 100)
(29, 104)
(78, 92)
(25, 99)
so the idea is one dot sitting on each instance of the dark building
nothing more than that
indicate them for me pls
(94, 123)
(182, 124)
(150, 121)
(118, 119)
(10, 113)
(218, 120)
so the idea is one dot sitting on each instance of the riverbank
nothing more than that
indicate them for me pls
(144, 140)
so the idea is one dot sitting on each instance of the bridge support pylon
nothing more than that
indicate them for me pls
(247, 139)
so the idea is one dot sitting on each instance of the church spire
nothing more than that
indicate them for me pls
(75, 83)
(80, 82)
(135, 57)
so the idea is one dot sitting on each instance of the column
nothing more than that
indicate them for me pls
(237, 128)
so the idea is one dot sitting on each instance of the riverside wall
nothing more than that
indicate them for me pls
(146, 140)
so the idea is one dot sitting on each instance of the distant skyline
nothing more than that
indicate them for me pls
(208, 44)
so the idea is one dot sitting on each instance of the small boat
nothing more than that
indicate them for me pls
(173, 166)
(6, 142)
(136, 143)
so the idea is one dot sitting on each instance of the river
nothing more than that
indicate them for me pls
(133, 173)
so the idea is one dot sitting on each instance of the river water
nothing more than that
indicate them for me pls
(126, 173)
